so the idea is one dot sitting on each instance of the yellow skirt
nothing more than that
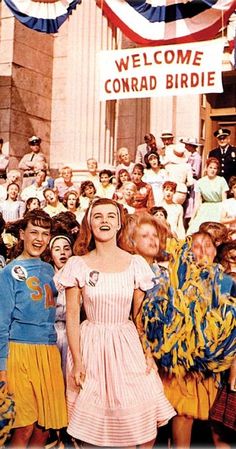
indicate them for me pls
(35, 378)
(191, 396)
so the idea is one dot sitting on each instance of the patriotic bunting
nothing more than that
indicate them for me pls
(44, 16)
(160, 22)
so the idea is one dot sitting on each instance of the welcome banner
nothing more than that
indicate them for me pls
(192, 68)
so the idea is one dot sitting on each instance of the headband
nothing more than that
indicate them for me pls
(59, 237)
(93, 203)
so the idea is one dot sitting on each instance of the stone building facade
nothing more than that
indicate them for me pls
(49, 86)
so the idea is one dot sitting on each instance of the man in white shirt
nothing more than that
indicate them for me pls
(144, 148)
(65, 183)
(92, 174)
(124, 160)
(36, 189)
(180, 171)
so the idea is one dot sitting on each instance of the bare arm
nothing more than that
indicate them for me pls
(137, 302)
(137, 316)
(198, 202)
(73, 295)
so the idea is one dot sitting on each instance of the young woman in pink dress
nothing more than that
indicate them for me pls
(115, 396)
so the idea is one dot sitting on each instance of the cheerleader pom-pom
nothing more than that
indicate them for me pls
(7, 413)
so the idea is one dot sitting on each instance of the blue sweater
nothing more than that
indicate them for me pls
(27, 304)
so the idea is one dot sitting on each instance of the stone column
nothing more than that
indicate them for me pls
(82, 126)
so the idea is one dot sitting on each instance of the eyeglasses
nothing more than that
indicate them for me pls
(34, 143)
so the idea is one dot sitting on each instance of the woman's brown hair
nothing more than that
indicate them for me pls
(85, 241)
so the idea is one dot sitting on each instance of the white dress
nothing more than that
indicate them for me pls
(119, 405)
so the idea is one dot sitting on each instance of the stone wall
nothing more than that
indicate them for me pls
(26, 61)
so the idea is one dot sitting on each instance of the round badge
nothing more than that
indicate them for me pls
(19, 273)
(92, 278)
(143, 191)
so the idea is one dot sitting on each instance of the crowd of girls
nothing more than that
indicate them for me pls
(114, 327)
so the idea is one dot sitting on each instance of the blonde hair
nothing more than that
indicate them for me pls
(134, 222)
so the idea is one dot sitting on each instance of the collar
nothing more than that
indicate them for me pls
(223, 150)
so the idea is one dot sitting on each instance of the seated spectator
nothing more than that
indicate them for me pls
(129, 191)
(154, 175)
(92, 174)
(37, 188)
(210, 191)
(4, 161)
(122, 176)
(71, 202)
(106, 189)
(174, 211)
(195, 160)
(161, 213)
(144, 148)
(179, 170)
(12, 208)
(124, 160)
(31, 204)
(228, 208)
(13, 176)
(53, 205)
(87, 194)
(49, 181)
(167, 138)
(65, 182)
(144, 199)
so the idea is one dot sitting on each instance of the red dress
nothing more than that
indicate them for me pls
(144, 198)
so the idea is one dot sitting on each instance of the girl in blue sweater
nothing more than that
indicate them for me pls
(29, 357)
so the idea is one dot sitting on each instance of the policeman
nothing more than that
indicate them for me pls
(29, 160)
(225, 153)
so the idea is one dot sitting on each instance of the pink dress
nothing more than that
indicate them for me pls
(119, 405)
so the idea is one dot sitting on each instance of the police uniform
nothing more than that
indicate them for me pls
(29, 161)
(226, 155)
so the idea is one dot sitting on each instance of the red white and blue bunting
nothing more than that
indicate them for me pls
(45, 16)
(146, 22)
(159, 22)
